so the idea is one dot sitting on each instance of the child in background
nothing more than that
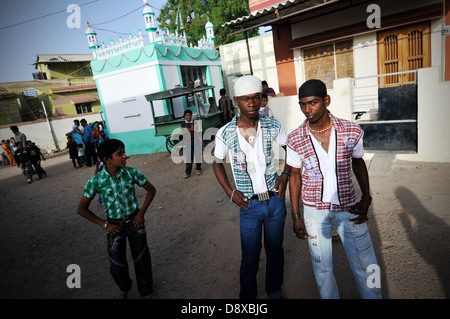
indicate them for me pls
(22, 157)
(35, 158)
(212, 105)
(81, 155)
(12, 143)
(188, 128)
(265, 110)
(73, 151)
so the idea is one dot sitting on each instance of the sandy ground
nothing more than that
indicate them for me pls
(193, 235)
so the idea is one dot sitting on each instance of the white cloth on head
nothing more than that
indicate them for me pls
(247, 84)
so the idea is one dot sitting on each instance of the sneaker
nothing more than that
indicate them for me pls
(199, 172)
(187, 175)
(29, 181)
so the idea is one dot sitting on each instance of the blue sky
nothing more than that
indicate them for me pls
(48, 32)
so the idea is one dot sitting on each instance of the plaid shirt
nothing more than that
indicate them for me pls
(118, 194)
(347, 136)
(270, 128)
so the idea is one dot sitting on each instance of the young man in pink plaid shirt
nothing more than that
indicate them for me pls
(321, 152)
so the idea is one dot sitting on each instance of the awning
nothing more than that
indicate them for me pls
(175, 92)
(277, 13)
(85, 98)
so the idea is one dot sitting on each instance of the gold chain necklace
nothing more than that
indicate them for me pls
(320, 131)
(319, 139)
(314, 132)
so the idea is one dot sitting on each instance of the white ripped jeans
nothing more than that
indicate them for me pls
(358, 247)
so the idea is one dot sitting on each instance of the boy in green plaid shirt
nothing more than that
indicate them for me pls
(124, 218)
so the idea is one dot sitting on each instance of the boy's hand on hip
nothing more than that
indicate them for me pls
(139, 222)
(112, 229)
(361, 209)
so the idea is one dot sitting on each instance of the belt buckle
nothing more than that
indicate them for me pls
(263, 196)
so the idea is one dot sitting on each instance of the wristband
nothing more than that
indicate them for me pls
(232, 195)
(105, 225)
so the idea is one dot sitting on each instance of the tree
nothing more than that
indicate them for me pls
(218, 12)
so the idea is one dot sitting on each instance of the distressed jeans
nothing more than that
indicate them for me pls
(140, 253)
(357, 244)
(268, 215)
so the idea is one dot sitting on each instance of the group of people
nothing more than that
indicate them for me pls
(83, 142)
(23, 153)
(320, 155)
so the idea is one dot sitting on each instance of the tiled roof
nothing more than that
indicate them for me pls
(74, 88)
(55, 58)
(280, 10)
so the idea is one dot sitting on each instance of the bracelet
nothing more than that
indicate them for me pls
(296, 216)
(105, 225)
(232, 195)
(286, 173)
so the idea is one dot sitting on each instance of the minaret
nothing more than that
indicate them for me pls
(92, 38)
(150, 26)
(209, 31)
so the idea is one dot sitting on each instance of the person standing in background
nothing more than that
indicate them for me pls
(89, 142)
(19, 136)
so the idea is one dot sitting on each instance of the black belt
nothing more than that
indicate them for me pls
(263, 196)
(123, 219)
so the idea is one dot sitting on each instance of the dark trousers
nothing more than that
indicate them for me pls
(38, 168)
(140, 253)
(90, 153)
(192, 153)
(76, 159)
(260, 217)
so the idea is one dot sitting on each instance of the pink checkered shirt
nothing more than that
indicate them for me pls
(347, 136)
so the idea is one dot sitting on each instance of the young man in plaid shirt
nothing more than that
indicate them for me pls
(321, 153)
(259, 191)
(124, 218)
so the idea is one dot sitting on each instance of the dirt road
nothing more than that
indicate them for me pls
(193, 235)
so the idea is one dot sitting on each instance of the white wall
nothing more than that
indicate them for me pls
(216, 76)
(123, 97)
(433, 114)
(235, 61)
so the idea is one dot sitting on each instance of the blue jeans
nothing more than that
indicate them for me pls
(139, 252)
(268, 215)
(357, 244)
